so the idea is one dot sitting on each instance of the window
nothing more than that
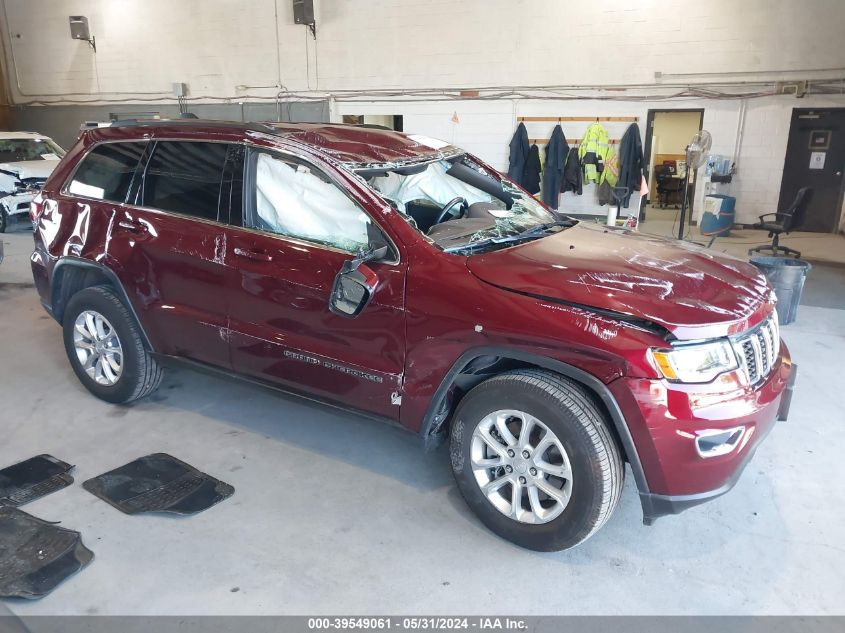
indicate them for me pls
(294, 199)
(13, 150)
(106, 172)
(185, 177)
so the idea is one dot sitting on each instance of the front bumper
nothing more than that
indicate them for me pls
(668, 420)
(16, 204)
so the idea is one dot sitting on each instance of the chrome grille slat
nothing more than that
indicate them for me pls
(758, 349)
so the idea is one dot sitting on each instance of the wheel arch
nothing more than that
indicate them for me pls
(502, 359)
(72, 274)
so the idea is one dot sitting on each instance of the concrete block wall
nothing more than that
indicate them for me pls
(248, 51)
(217, 45)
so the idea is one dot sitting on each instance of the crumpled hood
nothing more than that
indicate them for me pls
(30, 168)
(692, 292)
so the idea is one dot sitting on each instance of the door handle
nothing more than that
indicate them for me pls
(133, 226)
(258, 256)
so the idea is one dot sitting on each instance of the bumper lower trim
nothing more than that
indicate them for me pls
(656, 506)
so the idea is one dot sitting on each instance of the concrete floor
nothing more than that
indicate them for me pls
(826, 248)
(334, 513)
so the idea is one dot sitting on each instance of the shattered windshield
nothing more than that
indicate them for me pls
(459, 204)
(14, 150)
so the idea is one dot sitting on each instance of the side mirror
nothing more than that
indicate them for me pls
(355, 284)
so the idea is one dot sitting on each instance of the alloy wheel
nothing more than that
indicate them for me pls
(98, 348)
(521, 466)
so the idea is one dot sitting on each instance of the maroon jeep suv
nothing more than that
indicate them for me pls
(400, 276)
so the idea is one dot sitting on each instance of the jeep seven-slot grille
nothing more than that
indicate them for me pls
(759, 349)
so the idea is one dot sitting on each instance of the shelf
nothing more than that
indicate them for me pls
(569, 141)
(583, 119)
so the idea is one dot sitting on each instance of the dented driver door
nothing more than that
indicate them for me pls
(296, 231)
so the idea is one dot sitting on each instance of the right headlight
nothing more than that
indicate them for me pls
(695, 363)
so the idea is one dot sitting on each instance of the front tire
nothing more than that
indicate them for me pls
(534, 457)
(105, 348)
(4, 220)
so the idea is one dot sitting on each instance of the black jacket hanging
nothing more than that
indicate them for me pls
(572, 174)
(531, 173)
(556, 152)
(518, 154)
(630, 162)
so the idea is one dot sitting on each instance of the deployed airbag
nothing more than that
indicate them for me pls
(433, 184)
(295, 201)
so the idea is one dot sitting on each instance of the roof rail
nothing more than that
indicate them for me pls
(192, 121)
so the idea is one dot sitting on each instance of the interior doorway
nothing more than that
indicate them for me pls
(815, 158)
(668, 132)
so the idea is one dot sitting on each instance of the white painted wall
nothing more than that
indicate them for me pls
(216, 45)
(245, 50)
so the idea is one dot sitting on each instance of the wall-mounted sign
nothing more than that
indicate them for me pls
(820, 139)
(817, 160)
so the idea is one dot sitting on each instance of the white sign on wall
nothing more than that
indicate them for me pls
(817, 160)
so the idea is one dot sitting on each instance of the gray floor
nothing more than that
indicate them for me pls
(334, 513)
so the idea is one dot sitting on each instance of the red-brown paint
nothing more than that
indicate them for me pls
(270, 319)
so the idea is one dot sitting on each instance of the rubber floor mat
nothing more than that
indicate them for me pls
(159, 483)
(32, 479)
(35, 556)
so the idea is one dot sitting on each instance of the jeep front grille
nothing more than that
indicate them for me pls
(759, 348)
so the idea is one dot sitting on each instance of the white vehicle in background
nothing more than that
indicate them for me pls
(26, 160)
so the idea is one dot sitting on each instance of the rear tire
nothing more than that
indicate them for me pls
(570, 457)
(128, 371)
(4, 220)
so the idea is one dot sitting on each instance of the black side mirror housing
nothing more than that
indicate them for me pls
(355, 283)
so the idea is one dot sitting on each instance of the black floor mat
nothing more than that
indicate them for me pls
(33, 478)
(35, 556)
(159, 483)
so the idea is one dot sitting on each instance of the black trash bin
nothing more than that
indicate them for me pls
(787, 278)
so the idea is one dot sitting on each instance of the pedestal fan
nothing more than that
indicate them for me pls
(697, 152)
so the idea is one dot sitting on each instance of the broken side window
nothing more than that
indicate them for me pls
(294, 199)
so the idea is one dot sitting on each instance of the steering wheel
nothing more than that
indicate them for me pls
(447, 209)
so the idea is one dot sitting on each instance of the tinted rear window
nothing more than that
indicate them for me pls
(185, 177)
(106, 172)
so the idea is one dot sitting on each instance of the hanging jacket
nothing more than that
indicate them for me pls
(592, 151)
(572, 173)
(609, 178)
(556, 153)
(518, 154)
(531, 173)
(631, 160)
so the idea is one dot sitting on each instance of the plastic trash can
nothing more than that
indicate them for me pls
(718, 216)
(787, 278)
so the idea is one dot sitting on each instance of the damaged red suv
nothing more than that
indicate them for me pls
(402, 277)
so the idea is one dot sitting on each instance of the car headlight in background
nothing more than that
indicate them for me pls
(696, 363)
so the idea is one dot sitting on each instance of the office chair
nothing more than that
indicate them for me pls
(784, 221)
(666, 185)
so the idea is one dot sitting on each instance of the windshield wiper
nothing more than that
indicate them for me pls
(538, 230)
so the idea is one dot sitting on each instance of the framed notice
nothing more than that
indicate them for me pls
(820, 139)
